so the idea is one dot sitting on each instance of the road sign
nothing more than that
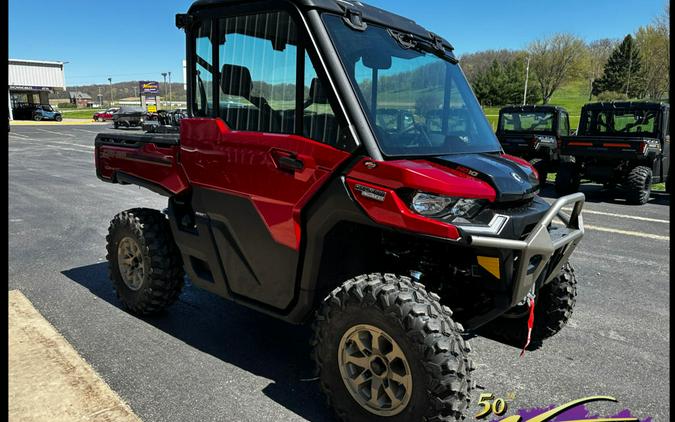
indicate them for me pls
(148, 87)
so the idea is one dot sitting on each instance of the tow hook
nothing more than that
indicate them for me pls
(530, 320)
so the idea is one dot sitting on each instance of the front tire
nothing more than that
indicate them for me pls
(386, 348)
(553, 308)
(567, 179)
(639, 185)
(144, 263)
(542, 169)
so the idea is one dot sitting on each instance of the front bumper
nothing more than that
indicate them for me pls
(546, 248)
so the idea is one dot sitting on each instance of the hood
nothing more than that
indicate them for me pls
(512, 181)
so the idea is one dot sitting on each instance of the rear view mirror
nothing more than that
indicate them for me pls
(376, 60)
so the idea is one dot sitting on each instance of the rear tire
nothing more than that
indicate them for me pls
(554, 304)
(426, 345)
(58, 118)
(639, 185)
(144, 263)
(37, 117)
(542, 169)
(567, 179)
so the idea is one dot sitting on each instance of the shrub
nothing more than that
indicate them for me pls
(612, 96)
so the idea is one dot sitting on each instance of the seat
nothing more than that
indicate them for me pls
(322, 126)
(236, 81)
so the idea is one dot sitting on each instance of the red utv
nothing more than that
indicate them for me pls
(286, 195)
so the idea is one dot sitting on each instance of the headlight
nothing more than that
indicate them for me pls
(444, 207)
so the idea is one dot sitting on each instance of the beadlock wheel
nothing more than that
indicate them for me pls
(375, 370)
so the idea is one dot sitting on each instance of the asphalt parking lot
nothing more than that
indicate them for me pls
(207, 359)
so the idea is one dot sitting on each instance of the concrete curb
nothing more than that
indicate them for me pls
(48, 380)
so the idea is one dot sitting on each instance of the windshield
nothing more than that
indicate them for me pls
(621, 122)
(527, 122)
(416, 102)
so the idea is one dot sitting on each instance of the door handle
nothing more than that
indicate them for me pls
(290, 163)
(287, 160)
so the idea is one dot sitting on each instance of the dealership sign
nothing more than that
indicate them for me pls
(30, 88)
(148, 87)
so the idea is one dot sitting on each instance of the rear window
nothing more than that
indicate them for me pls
(527, 122)
(618, 122)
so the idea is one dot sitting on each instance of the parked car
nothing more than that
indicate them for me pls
(37, 112)
(129, 117)
(106, 115)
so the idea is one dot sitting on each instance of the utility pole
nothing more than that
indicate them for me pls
(527, 77)
(169, 89)
(164, 74)
(100, 97)
(111, 92)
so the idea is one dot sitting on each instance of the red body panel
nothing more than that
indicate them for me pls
(422, 175)
(149, 162)
(413, 174)
(247, 164)
(393, 212)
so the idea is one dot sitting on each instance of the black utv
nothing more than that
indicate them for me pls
(619, 144)
(533, 132)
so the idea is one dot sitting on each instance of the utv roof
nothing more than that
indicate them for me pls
(367, 12)
(644, 105)
(531, 108)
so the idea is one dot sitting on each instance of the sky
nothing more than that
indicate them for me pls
(129, 40)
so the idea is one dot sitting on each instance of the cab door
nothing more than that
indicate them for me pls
(269, 140)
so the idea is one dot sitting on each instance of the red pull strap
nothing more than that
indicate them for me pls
(530, 324)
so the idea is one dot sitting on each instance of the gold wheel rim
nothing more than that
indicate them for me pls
(375, 370)
(130, 262)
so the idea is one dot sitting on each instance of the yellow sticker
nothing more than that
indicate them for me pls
(490, 264)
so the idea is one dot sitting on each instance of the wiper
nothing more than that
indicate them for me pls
(411, 41)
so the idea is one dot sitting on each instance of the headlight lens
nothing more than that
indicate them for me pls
(444, 207)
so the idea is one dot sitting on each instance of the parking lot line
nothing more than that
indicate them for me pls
(55, 133)
(632, 217)
(627, 232)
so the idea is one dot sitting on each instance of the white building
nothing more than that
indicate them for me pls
(32, 81)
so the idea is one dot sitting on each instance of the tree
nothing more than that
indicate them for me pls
(554, 61)
(623, 71)
(503, 83)
(595, 57)
(653, 41)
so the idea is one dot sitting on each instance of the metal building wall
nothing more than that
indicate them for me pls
(34, 73)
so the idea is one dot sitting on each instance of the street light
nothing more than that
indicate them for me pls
(111, 92)
(169, 89)
(164, 74)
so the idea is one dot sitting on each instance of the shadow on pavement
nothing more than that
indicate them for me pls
(597, 193)
(257, 343)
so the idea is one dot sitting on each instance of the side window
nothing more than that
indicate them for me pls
(319, 120)
(258, 58)
(564, 124)
(203, 72)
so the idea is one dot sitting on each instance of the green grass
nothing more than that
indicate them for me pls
(87, 113)
(572, 96)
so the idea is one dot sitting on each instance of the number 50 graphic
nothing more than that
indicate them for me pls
(498, 407)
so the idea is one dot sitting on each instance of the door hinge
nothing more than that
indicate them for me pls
(354, 19)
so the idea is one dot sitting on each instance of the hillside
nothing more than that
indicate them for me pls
(121, 90)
